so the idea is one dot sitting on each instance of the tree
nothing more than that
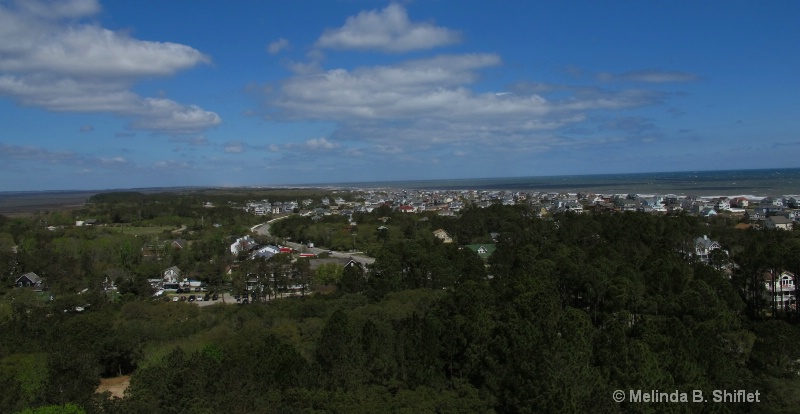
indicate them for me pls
(301, 273)
(352, 280)
(338, 354)
(328, 274)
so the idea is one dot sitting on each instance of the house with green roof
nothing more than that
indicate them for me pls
(483, 250)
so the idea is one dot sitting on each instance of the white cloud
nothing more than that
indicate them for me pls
(431, 101)
(49, 60)
(321, 144)
(67, 95)
(277, 46)
(648, 76)
(10, 153)
(199, 140)
(90, 51)
(170, 165)
(113, 161)
(234, 147)
(169, 116)
(60, 9)
(387, 30)
(403, 90)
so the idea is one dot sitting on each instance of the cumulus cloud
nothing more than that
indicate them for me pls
(433, 101)
(277, 46)
(648, 76)
(438, 104)
(387, 30)
(51, 60)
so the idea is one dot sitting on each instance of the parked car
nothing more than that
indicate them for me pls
(175, 298)
(179, 290)
(192, 298)
(183, 298)
(215, 297)
(199, 298)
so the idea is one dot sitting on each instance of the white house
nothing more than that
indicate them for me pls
(172, 275)
(243, 244)
(778, 222)
(703, 246)
(442, 235)
(780, 288)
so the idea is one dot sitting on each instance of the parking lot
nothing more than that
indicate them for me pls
(199, 298)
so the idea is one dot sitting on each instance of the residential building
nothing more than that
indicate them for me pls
(780, 289)
(243, 244)
(778, 222)
(442, 235)
(483, 250)
(172, 275)
(30, 280)
(703, 246)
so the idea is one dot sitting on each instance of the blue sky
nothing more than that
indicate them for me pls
(121, 94)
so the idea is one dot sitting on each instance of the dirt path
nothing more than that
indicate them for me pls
(116, 386)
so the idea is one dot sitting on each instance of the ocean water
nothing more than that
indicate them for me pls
(753, 183)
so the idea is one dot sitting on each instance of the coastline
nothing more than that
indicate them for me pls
(750, 184)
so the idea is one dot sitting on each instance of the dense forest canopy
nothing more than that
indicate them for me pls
(566, 310)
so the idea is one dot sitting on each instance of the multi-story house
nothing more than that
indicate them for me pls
(780, 289)
(703, 246)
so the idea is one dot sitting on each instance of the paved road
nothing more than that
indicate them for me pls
(263, 229)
